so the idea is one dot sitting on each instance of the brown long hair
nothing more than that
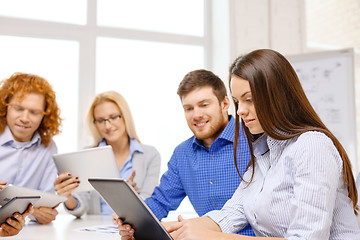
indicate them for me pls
(24, 83)
(281, 104)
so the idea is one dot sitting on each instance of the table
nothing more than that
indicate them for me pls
(63, 228)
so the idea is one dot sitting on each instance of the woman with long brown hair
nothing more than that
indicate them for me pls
(299, 182)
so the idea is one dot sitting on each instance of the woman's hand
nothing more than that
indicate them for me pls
(132, 183)
(64, 185)
(194, 229)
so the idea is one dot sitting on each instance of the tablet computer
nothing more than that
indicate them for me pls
(47, 199)
(87, 163)
(129, 206)
(14, 205)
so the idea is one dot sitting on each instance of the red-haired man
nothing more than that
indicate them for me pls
(29, 118)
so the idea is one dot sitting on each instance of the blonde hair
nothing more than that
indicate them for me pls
(119, 100)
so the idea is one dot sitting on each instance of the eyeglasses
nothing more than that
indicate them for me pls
(102, 121)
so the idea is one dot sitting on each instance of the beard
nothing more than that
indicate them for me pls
(213, 130)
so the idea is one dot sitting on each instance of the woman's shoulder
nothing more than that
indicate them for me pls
(148, 148)
(313, 138)
(149, 151)
(314, 134)
(312, 141)
(149, 155)
(313, 145)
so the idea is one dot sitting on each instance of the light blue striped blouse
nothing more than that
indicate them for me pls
(297, 192)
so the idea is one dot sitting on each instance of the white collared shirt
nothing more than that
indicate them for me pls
(297, 192)
(27, 164)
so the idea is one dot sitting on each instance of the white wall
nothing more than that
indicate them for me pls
(275, 24)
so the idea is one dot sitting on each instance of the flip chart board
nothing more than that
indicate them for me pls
(328, 81)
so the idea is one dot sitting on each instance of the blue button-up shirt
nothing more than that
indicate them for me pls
(27, 164)
(207, 176)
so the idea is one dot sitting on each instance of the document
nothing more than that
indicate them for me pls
(101, 229)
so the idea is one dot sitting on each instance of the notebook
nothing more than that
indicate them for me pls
(87, 163)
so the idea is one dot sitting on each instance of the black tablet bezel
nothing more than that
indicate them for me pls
(130, 207)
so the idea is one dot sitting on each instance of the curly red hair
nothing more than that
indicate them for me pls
(28, 83)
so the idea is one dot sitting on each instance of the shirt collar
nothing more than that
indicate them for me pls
(135, 146)
(227, 134)
(265, 143)
(260, 146)
(6, 138)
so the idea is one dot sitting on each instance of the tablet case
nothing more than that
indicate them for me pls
(129, 206)
(47, 199)
(86, 163)
(16, 204)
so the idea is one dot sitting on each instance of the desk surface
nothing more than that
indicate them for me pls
(64, 228)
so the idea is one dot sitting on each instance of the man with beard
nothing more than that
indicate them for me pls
(202, 167)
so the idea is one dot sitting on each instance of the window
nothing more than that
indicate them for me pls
(84, 47)
(147, 75)
(54, 60)
(64, 11)
(179, 17)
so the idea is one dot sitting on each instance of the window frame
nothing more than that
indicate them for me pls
(87, 34)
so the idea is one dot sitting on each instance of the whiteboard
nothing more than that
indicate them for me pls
(328, 81)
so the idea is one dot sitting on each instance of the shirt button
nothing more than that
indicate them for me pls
(211, 182)
(215, 205)
(212, 156)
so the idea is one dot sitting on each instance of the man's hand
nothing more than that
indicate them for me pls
(2, 184)
(45, 215)
(14, 225)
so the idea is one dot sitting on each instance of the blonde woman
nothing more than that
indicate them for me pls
(110, 123)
